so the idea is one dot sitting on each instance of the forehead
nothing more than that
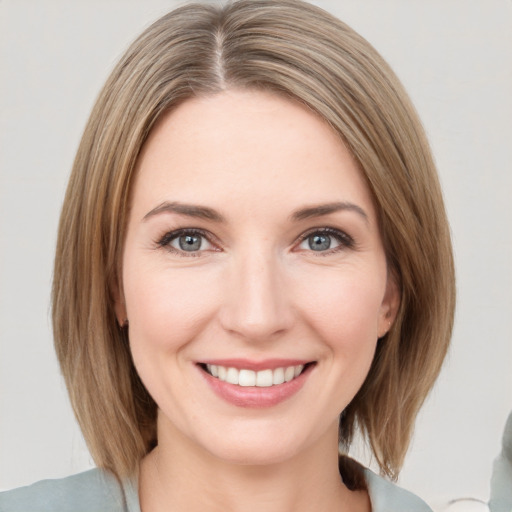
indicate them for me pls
(245, 148)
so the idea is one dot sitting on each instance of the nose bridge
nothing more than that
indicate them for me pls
(256, 305)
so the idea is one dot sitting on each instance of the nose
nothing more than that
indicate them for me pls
(256, 305)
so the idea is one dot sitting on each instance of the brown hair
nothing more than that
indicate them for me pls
(300, 51)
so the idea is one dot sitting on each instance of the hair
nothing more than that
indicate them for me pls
(301, 52)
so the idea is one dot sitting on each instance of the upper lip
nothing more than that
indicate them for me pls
(248, 364)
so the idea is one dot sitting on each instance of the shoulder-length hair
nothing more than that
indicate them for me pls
(299, 51)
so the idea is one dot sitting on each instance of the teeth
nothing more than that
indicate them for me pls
(289, 373)
(232, 376)
(278, 377)
(247, 378)
(250, 378)
(264, 378)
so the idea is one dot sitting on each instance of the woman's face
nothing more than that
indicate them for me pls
(252, 256)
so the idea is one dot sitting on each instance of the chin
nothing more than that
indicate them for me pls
(257, 446)
(255, 454)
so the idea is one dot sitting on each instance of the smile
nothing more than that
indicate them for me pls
(246, 383)
(250, 378)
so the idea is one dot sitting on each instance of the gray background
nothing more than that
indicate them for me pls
(454, 57)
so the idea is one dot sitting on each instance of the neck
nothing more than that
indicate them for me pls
(179, 476)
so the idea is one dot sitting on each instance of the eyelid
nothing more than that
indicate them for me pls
(344, 239)
(164, 241)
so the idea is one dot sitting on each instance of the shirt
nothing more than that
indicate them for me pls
(97, 490)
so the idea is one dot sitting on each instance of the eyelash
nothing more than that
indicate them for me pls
(345, 241)
(165, 241)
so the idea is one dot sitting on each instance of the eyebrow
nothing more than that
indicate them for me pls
(201, 212)
(326, 209)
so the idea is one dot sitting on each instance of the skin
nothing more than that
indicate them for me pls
(254, 290)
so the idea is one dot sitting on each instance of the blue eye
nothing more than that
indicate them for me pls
(188, 243)
(185, 241)
(325, 240)
(319, 242)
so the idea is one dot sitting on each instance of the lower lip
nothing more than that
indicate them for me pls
(253, 396)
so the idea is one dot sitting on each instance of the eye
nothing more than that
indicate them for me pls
(325, 240)
(183, 241)
(318, 242)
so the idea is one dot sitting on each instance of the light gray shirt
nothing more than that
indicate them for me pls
(99, 491)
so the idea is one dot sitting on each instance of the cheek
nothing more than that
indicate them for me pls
(344, 306)
(343, 311)
(166, 308)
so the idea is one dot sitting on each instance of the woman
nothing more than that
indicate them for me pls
(253, 264)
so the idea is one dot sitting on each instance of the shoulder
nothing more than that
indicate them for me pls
(501, 481)
(92, 491)
(386, 496)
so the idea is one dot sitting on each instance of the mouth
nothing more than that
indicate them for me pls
(262, 378)
(245, 383)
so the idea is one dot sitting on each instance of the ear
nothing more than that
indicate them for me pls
(119, 303)
(389, 306)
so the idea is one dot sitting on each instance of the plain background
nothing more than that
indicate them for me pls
(455, 59)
